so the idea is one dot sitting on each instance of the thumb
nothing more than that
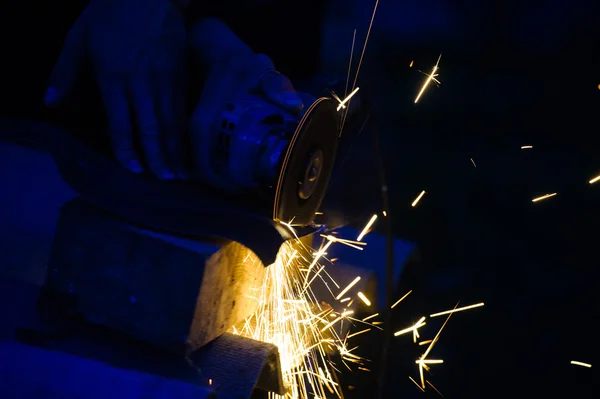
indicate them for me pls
(67, 67)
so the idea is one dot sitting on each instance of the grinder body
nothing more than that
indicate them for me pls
(262, 149)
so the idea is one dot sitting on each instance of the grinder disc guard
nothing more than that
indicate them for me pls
(307, 164)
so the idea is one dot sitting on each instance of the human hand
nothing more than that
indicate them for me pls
(233, 70)
(137, 50)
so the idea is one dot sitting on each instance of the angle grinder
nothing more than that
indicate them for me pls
(288, 158)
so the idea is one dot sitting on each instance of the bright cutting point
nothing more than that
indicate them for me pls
(543, 197)
(343, 103)
(595, 179)
(582, 364)
(477, 305)
(365, 230)
(431, 77)
(416, 201)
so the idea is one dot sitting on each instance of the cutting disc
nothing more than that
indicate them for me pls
(307, 164)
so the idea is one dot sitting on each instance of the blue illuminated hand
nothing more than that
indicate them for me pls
(233, 70)
(137, 49)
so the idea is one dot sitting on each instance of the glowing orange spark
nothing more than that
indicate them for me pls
(575, 362)
(350, 62)
(595, 179)
(416, 201)
(362, 54)
(543, 197)
(526, 147)
(365, 230)
(416, 383)
(364, 299)
(401, 299)
(411, 64)
(434, 388)
(429, 348)
(473, 162)
(430, 77)
(352, 284)
(425, 342)
(343, 103)
(412, 328)
(477, 305)
(370, 317)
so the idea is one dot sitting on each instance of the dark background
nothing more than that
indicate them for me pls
(513, 73)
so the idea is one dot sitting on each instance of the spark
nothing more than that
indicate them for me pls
(370, 317)
(543, 197)
(303, 328)
(349, 243)
(411, 64)
(343, 103)
(423, 357)
(477, 305)
(364, 299)
(429, 361)
(365, 230)
(350, 63)
(425, 342)
(473, 162)
(431, 77)
(412, 328)
(595, 179)
(526, 147)
(434, 388)
(416, 201)
(384, 213)
(362, 54)
(416, 383)
(575, 362)
(352, 284)
(358, 333)
(339, 100)
(210, 381)
(401, 299)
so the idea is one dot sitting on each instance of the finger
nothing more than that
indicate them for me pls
(67, 67)
(148, 125)
(279, 89)
(169, 95)
(275, 86)
(119, 125)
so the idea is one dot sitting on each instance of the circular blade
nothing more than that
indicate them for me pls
(307, 165)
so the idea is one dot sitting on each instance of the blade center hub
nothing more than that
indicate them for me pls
(311, 174)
